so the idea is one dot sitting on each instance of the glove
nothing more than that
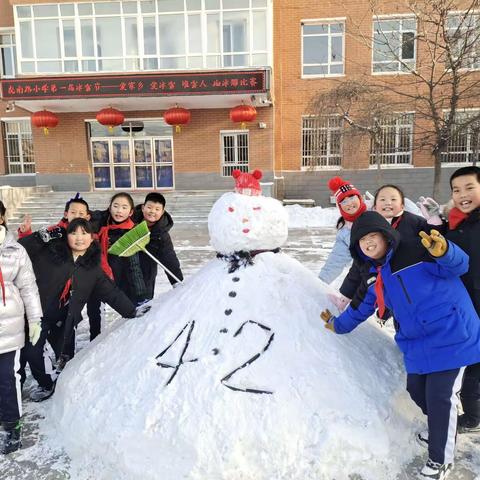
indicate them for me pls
(34, 331)
(430, 210)
(47, 234)
(340, 301)
(329, 320)
(434, 243)
(369, 200)
(61, 362)
(142, 310)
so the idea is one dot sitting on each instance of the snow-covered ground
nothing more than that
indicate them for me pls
(43, 457)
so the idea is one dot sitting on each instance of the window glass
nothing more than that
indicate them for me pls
(171, 30)
(194, 34)
(259, 30)
(26, 39)
(49, 66)
(105, 8)
(131, 36)
(213, 33)
(212, 4)
(259, 3)
(23, 12)
(69, 38)
(147, 6)
(109, 36)
(47, 38)
(88, 49)
(85, 8)
(235, 3)
(129, 7)
(235, 32)
(170, 6)
(194, 5)
(45, 11)
(149, 36)
(67, 9)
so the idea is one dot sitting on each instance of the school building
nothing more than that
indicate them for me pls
(175, 94)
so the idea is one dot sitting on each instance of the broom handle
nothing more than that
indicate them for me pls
(161, 264)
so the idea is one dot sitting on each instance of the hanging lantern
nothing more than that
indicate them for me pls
(110, 117)
(177, 116)
(243, 114)
(44, 119)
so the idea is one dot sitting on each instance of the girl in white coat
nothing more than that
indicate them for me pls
(18, 296)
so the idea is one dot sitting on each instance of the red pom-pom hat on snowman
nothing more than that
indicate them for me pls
(341, 190)
(247, 183)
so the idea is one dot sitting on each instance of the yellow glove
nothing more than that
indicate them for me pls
(34, 331)
(329, 320)
(434, 243)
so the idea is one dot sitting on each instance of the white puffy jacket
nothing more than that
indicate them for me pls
(21, 295)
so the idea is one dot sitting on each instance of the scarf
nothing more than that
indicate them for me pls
(378, 287)
(350, 218)
(103, 237)
(242, 258)
(455, 218)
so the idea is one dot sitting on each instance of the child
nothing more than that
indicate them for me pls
(19, 296)
(111, 224)
(159, 222)
(76, 207)
(351, 205)
(464, 230)
(389, 202)
(69, 271)
(438, 328)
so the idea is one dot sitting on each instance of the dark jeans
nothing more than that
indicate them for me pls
(470, 393)
(94, 317)
(437, 395)
(10, 389)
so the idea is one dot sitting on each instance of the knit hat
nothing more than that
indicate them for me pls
(247, 183)
(342, 189)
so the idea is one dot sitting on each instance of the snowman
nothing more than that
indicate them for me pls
(232, 376)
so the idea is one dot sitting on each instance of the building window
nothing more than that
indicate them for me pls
(462, 33)
(394, 145)
(394, 45)
(142, 35)
(322, 141)
(234, 152)
(18, 146)
(464, 143)
(7, 55)
(322, 47)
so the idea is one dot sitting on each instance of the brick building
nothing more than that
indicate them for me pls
(283, 51)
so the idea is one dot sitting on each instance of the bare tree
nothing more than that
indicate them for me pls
(438, 47)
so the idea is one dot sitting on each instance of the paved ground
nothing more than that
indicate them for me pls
(39, 461)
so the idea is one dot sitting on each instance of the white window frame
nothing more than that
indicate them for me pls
(8, 154)
(476, 15)
(187, 57)
(330, 158)
(226, 168)
(325, 21)
(396, 153)
(401, 18)
(469, 151)
(13, 55)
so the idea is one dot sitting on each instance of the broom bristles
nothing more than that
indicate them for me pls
(135, 240)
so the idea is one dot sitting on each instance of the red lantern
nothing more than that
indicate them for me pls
(243, 114)
(44, 119)
(110, 117)
(177, 116)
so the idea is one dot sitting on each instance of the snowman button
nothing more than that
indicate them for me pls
(235, 279)
(232, 294)
(215, 351)
(228, 311)
(224, 330)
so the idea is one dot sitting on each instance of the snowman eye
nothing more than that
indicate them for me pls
(231, 209)
(257, 208)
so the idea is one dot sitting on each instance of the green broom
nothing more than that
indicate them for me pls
(135, 240)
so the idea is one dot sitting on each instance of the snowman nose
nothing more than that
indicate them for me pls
(244, 220)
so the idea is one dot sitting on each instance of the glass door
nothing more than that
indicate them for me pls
(122, 175)
(143, 163)
(101, 164)
(164, 162)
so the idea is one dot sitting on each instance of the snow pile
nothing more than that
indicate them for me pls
(232, 376)
(302, 217)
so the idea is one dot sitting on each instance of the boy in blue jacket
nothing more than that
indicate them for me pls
(438, 330)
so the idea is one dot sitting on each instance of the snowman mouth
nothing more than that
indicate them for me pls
(245, 230)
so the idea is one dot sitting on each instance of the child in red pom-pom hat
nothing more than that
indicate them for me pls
(351, 205)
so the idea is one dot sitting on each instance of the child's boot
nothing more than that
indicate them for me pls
(11, 438)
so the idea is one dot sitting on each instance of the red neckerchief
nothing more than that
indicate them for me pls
(65, 293)
(103, 238)
(351, 218)
(455, 218)
(380, 303)
(397, 221)
(2, 283)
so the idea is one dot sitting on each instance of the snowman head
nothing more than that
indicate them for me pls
(245, 220)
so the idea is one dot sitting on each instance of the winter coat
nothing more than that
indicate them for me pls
(127, 272)
(438, 328)
(54, 266)
(467, 237)
(339, 257)
(21, 295)
(408, 225)
(161, 247)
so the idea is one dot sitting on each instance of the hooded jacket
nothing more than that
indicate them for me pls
(161, 247)
(438, 328)
(21, 295)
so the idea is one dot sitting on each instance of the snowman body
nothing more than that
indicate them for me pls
(232, 376)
